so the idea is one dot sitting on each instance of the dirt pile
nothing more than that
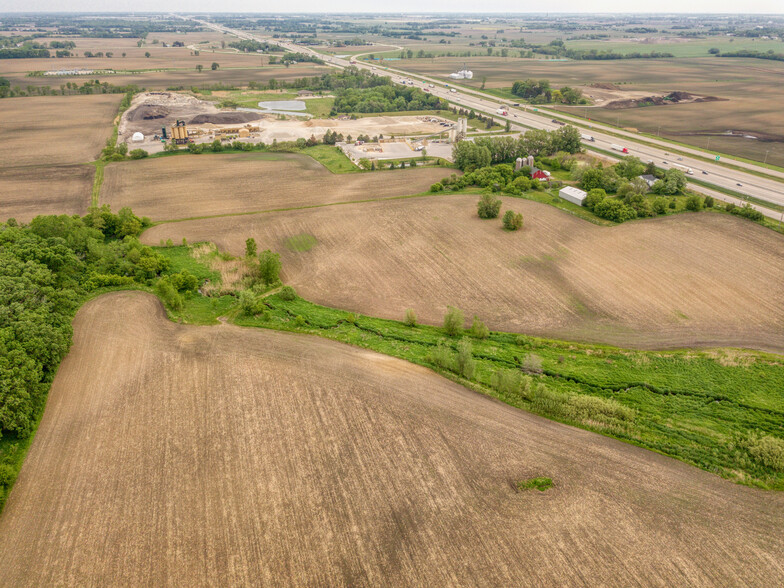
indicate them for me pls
(226, 118)
(671, 98)
(147, 112)
(605, 86)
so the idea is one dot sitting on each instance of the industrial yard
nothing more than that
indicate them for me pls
(152, 112)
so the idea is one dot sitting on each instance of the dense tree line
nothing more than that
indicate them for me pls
(249, 46)
(630, 201)
(483, 151)
(557, 48)
(47, 269)
(386, 98)
(289, 58)
(26, 51)
(67, 89)
(494, 178)
(540, 92)
(770, 54)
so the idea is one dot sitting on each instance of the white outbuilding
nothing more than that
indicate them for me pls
(137, 137)
(573, 195)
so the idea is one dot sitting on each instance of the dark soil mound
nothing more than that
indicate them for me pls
(225, 118)
(671, 98)
(147, 112)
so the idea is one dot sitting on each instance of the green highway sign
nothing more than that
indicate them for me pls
(718, 157)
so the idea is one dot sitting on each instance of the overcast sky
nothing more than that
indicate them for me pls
(399, 6)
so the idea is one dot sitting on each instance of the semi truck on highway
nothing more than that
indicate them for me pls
(587, 138)
(502, 112)
(619, 148)
(688, 170)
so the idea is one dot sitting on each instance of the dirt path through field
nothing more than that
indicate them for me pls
(174, 455)
(683, 281)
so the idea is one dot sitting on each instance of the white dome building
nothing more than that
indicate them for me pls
(137, 137)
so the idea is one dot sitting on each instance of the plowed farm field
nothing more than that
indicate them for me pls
(61, 189)
(688, 280)
(53, 130)
(190, 186)
(193, 456)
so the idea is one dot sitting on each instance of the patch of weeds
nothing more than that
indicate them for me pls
(301, 243)
(540, 484)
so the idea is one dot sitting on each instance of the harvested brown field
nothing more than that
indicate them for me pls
(26, 192)
(189, 186)
(194, 456)
(169, 78)
(55, 130)
(687, 280)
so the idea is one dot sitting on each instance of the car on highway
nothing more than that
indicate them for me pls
(741, 185)
(680, 159)
(704, 173)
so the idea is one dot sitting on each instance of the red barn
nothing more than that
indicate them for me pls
(540, 174)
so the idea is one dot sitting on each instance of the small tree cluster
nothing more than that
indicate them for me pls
(512, 220)
(454, 321)
(488, 206)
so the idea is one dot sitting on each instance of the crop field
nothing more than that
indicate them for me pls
(679, 47)
(188, 186)
(174, 454)
(160, 58)
(687, 280)
(126, 55)
(55, 130)
(751, 87)
(27, 192)
(162, 78)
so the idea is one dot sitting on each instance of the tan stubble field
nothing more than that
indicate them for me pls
(193, 456)
(687, 280)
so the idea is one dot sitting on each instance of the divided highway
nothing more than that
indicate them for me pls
(523, 118)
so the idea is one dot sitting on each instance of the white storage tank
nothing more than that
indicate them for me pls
(137, 137)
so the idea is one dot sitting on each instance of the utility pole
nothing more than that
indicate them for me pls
(766, 157)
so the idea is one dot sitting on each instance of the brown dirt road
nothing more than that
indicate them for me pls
(188, 186)
(691, 280)
(174, 455)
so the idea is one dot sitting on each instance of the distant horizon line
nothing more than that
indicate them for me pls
(380, 13)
